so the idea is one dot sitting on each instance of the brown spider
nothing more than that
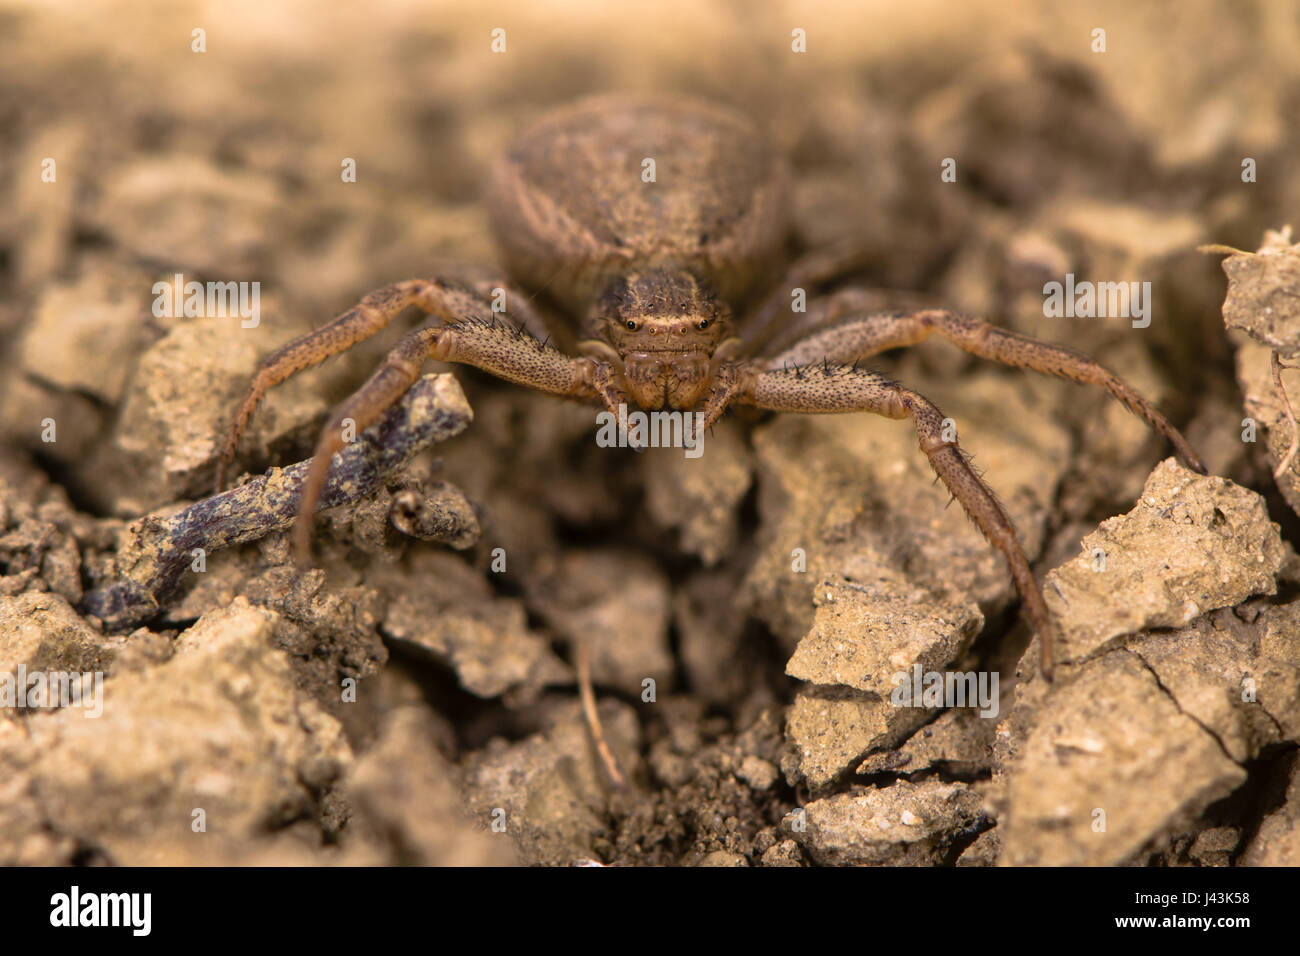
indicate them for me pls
(655, 274)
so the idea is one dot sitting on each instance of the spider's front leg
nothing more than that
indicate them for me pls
(473, 335)
(825, 388)
(497, 347)
(449, 301)
(855, 338)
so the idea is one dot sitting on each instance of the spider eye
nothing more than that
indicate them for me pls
(703, 324)
(632, 325)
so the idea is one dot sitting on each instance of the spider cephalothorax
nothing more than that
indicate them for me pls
(654, 227)
(664, 331)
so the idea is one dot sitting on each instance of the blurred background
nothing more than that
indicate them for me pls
(225, 164)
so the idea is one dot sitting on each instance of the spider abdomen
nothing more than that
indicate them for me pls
(619, 184)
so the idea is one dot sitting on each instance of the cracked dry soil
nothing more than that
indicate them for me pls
(413, 701)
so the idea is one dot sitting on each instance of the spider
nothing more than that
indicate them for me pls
(653, 224)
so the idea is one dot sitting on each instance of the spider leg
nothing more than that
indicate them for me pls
(369, 316)
(363, 320)
(499, 348)
(523, 310)
(853, 339)
(831, 309)
(825, 388)
(398, 373)
(474, 336)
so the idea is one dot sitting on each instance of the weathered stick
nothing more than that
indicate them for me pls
(155, 550)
